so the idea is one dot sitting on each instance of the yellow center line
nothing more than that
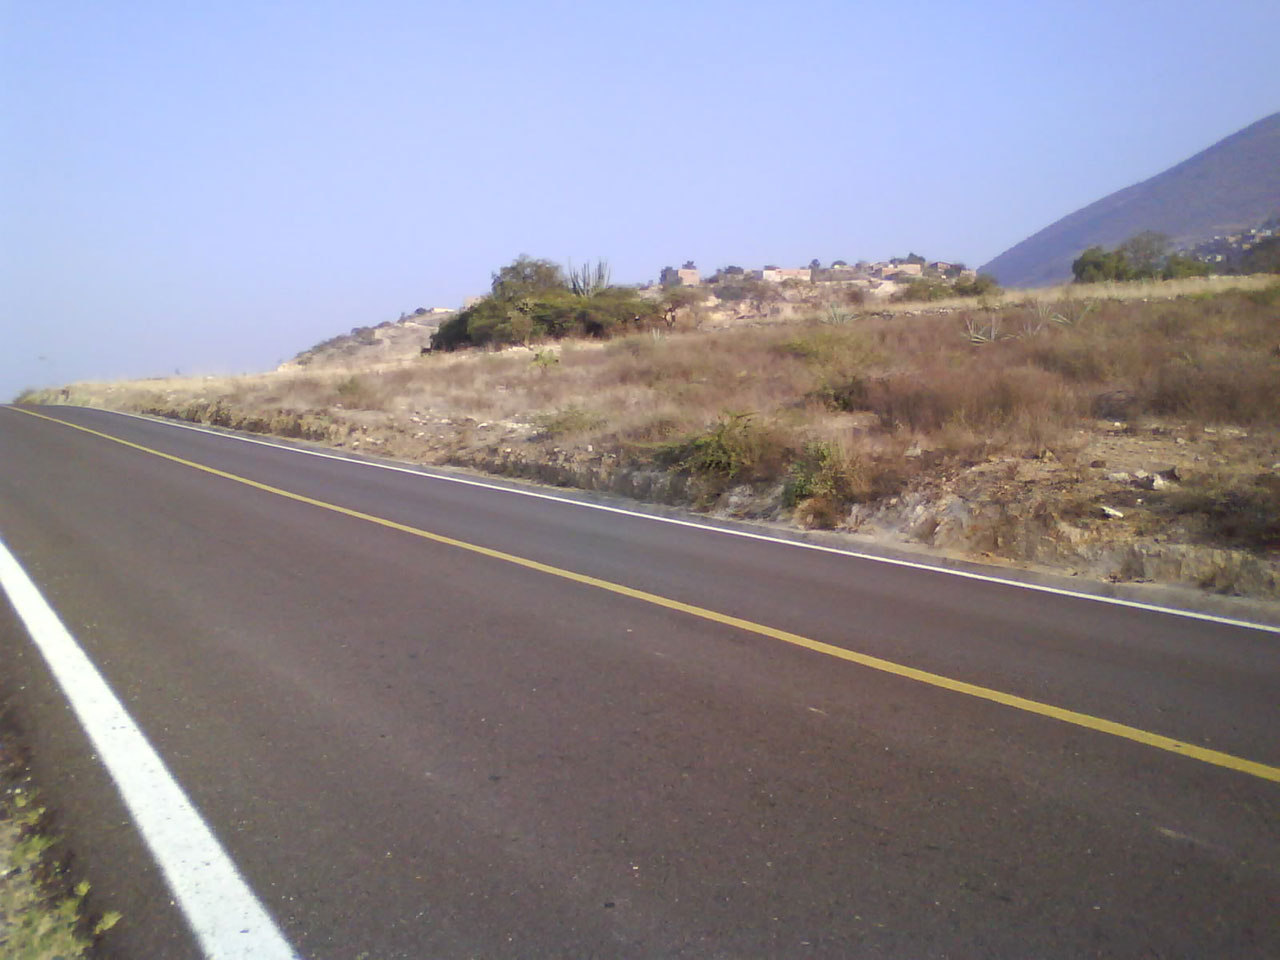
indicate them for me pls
(1160, 742)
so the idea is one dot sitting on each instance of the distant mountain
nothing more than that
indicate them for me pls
(1233, 185)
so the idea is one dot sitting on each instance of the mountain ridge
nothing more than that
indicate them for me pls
(1232, 185)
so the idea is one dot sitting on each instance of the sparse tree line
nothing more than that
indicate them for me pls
(1148, 256)
(536, 299)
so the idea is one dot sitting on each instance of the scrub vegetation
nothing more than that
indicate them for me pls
(538, 300)
(842, 414)
(40, 918)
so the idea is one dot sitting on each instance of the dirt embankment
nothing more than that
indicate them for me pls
(1124, 440)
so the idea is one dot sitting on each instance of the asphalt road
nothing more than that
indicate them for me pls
(413, 749)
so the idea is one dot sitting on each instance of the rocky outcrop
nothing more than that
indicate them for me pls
(1036, 531)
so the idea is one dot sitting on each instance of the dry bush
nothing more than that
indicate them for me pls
(1018, 402)
(357, 392)
(1225, 388)
(1210, 359)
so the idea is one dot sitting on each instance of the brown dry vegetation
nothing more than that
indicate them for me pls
(818, 416)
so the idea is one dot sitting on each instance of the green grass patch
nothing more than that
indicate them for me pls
(39, 918)
(568, 421)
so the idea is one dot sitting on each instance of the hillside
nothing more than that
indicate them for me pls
(1233, 185)
(394, 340)
(1124, 432)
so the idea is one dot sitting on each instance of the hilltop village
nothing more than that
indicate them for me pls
(882, 278)
(1227, 250)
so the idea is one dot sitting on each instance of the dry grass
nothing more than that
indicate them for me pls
(1109, 290)
(840, 409)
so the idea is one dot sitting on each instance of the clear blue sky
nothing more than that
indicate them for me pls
(214, 187)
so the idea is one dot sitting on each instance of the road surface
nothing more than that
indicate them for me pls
(433, 719)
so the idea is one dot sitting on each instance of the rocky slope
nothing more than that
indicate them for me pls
(389, 342)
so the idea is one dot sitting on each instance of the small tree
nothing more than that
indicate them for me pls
(1178, 266)
(922, 290)
(1145, 253)
(688, 299)
(1262, 257)
(1096, 264)
(526, 276)
(980, 286)
(532, 299)
(754, 292)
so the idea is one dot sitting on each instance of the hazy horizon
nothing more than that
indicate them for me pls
(214, 190)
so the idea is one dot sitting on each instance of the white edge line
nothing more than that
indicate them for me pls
(228, 920)
(726, 531)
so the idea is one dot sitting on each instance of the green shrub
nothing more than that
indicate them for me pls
(925, 289)
(40, 918)
(544, 360)
(1268, 296)
(1097, 264)
(570, 420)
(984, 284)
(735, 447)
(846, 394)
(831, 346)
(755, 292)
(1263, 257)
(1179, 266)
(356, 393)
(821, 470)
(922, 291)
(532, 300)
